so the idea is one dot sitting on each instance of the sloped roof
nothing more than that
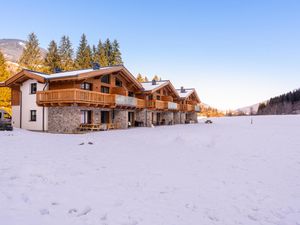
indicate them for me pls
(72, 75)
(149, 87)
(187, 92)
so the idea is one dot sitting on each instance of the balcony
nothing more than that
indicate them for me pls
(172, 106)
(197, 108)
(187, 107)
(73, 96)
(156, 104)
(87, 98)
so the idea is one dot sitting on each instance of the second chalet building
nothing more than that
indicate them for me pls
(96, 99)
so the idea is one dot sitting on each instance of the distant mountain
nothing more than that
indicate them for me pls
(251, 109)
(13, 48)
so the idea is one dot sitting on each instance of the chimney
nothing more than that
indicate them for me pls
(57, 70)
(153, 82)
(96, 66)
(182, 90)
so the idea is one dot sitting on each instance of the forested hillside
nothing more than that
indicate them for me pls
(17, 54)
(288, 103)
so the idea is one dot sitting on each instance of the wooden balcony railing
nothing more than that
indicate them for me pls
(187, 107)
(71, 96)
(156, 104)
(84, 97)
(140, 103)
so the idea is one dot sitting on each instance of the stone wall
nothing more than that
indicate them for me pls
(63, 119)
(176, 117)
(182, 117)
(192, 116)
(68, 118)
(121, 118)
(168, 117)
(141, 116)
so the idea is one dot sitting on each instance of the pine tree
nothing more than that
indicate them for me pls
(52, 60)
(156, 78)
(5, 93)
(31, 56)
(116, 58)
(140, 78)
(146, 79)
(103, 61)
(84, 54)
(95, 55)
(108, 52)
(66, 54)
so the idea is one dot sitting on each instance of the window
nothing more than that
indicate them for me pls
(33, 88)
(158, 97)
(150, 97)
(118, 83)
(105, 79)
(105, 89)
(130, 93)
(86, 116)
(32, 115)
(86, 86)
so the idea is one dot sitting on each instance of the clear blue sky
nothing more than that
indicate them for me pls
(235, 52)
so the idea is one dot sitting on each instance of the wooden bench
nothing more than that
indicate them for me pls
(91, 127)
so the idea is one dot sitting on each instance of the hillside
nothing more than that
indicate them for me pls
(288, 103)
(13, 48)
(224, 173)
(248, 110)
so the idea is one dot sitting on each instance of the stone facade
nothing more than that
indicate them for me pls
(63, 119)
(168, 117)
(141, 116)
(192, 116)
(67, 119)
(176, 117)
(182, 117)
(121, 119)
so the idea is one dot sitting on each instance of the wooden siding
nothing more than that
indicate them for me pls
(15, 95)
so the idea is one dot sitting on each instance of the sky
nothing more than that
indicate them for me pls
(235, 53)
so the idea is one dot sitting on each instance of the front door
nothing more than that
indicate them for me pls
(158, 118)
(131, 118)
(104, 117)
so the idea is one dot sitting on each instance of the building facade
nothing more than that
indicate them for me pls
(96, 99)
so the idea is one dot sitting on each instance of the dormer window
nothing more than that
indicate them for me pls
(105, 79)
(33, 88)
(118, 83)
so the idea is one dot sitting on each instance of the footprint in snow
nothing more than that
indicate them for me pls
(252, 217)
(44, 212)
(85, 211)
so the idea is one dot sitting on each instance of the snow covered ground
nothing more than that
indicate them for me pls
(229, 172)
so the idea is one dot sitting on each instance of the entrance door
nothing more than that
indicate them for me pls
(158, 118)
(104, 116)
(131, 119)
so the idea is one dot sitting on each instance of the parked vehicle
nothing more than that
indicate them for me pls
(5, 120)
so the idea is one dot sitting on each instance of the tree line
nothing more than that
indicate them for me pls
(62, 56)
(290, 97)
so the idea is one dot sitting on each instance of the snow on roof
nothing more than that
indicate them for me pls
(149, 87)
(186, 92)
(66, 74)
